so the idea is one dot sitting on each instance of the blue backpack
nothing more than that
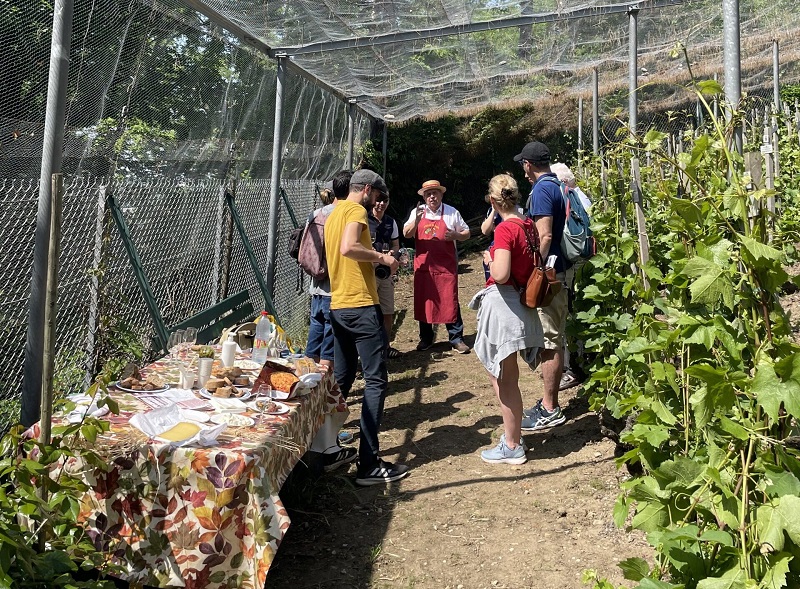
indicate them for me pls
(577, 242)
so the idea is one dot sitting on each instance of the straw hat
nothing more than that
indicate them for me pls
(431, 185)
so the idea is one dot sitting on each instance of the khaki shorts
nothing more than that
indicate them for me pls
(386, 295)
(554, 319)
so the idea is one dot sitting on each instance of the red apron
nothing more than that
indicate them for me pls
(435, 274)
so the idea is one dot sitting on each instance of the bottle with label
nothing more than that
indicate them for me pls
(262, 338)
(228, 355)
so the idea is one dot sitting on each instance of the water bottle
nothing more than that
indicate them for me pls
(262, 339)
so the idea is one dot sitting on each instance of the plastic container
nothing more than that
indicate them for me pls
(262, 339)
(228, 355)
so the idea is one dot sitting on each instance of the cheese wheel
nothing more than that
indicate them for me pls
(182, 431)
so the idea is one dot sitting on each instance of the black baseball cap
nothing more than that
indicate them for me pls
(364, 177)
(534, 152)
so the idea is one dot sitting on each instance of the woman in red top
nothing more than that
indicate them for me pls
(505, 325)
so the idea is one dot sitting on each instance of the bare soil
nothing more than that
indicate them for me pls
(456, 522)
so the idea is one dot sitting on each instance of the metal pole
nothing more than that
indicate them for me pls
(595, 114)
(633, 68)
(715, 103)
(351, 118)
(275, 182)
(733, 74)
(776, 77)
(51, 308)
(94, 284)
(52, 155)
(580, 126)
(385, 125)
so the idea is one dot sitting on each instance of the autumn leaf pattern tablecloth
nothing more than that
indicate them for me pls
(200, 517)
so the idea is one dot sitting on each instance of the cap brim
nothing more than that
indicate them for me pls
(518, 157)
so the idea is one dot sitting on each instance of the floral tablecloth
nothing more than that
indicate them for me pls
(199, 517)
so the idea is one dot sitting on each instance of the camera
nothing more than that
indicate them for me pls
(381, 271)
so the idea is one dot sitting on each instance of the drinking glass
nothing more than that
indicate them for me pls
(174, 343)
(189, 339)
(264, 395)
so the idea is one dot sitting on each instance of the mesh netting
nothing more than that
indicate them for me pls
(438, 74)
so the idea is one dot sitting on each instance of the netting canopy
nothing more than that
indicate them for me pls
(405, 58)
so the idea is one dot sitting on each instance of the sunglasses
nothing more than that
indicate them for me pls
(522, 163)
(382, 198)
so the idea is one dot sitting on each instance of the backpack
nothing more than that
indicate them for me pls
(311, 255)
(577, 242)
(294, 241)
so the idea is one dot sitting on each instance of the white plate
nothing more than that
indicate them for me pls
(228, 405)
(247, 365)
(281, 408)
(208, 395)
(193, 415)
(161, 390)
(232, 419)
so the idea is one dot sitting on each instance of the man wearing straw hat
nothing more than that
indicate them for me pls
(436, 227)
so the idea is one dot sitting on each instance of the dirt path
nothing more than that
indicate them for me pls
(457, 522)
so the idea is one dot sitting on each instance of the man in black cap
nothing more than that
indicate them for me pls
(356, 317)
(546, 207)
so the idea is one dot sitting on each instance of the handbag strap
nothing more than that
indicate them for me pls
(534, 249)
(534, 252)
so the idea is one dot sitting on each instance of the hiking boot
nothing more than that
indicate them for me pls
(568, 380)
(461, 348)
(334, 460)
(503, 454)
(422, 346)
(537, 417)
(382, 472)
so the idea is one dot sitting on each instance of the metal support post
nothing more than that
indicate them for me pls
(770, 156)
(732, 60)
(275, 182)
(595, 114)
(385, 125)
(776, 78)
(94, 283)
(351, 122)
(52, 155)
(580, 127)
(51, 308)
(633, 67)
(644, 242)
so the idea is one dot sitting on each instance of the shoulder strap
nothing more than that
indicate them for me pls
(534, 249)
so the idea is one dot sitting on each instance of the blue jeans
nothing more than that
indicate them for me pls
(359, 333)
(320, 333)
(455, 331)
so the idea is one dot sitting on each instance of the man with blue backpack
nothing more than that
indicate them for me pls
(547, 207)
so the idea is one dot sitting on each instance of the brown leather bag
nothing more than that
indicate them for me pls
(542, 286)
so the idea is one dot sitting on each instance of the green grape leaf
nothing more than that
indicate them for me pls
(776, 519)
(711, 283)
(760, 251)
(709, 87)
(781, 483)
(648, 583)
(650, 517)
(736, 582)
(681, 470)
(771, 392)
(775, 578)
(634, 569)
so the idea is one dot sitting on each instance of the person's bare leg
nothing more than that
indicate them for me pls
(507, 390)
(552, 367)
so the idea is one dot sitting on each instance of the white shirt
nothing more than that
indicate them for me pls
(451, 217)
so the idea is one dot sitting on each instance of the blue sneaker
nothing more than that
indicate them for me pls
(537, 417)
(503, 454)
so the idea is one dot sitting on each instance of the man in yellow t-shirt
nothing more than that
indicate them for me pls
(356, 318)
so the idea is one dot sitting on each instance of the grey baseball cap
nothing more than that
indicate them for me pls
(364, 177)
